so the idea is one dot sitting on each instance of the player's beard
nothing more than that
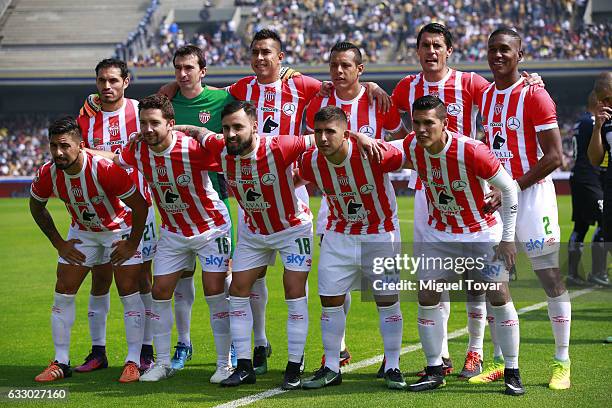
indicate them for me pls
(66, 166)
(240, 148)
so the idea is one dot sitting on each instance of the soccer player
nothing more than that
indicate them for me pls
(95, 193)
(520, 124)
(195, 222)
(345, 68)
(587, 201)
(110, 129)
(601, 140)
(363, 210)
(454, 169)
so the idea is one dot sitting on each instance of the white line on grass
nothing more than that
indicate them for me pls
(377, 359)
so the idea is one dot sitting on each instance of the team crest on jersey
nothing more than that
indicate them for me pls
(113, 130)
(454, 109)
(77, 191)
(183, 180)
(268, 179)
(204, 116)
(366, 189)
(436, 172)
(458, 185)
(246, 169)
(269, 95)
(435, 93)
(513, 123)
(161, 171)
(498, 108)
(343, 180)
(367, 130)
(289, 108)
(96, 199)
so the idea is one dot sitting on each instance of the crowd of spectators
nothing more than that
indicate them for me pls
(23, 144)
(386, 30)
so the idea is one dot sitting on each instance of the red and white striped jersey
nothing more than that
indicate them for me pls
(92, 197)
(512, 118)
(280, 105)
(110, 131)
(359, 193)
(362, 116)
(454, 182)
(178, 178)
(262, 182)
(460, 92)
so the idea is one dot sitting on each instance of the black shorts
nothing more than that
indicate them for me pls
(587, 202)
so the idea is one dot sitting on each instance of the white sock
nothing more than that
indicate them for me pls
(391, 327)
(297, 327)
(445, 309)
(333, 321)
(241, 324)
(133, 318)
(259, 300)
(560, 315)
(497, 351)
(147, 301)
(476, 312)
(62, 319)
(431, 331)
(218, 306)
(162, 319)
(346, 307)
(184, 296)
(507, 332)
(97, 312)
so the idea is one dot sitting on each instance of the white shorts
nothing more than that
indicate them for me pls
(149, 237)
(254, 250)
(176, 252)
(449, 256)
(421, 215)
(537, 222)
(345, 260)
(98, 246)
(322, 216)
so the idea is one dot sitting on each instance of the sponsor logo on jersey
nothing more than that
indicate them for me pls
(454, 109)
(513, 123)
(96, 199)
(268, 179)
(366, 189)
(289, 108)
(458, 185)
(367, 130)
(183, 180)
(355, 211)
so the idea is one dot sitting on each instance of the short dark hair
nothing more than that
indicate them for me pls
(157, 101)
(65, 125)
(429, 102)
(436, 28)
(343, 46)
(330, 112)
(267, 34)
(506, 31)
(113, 63)
(191, 49)
(236, 106)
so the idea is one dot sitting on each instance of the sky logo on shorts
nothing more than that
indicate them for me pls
(294, 259)
(213, 260)
(492, 271)
(533, 245)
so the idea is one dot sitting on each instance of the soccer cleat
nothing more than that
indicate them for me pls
(395, 380)
(94, 361)
(292, 379)
(323, 377)
(599, 280)
(182, 354)
(221, 373)
(433, 379)
(55, 371)
(560, 379)
(345, 358)
(447, 367)
(156, 373)
(514, 385)
(381, 370)
(493, 372)
(576, 280)
(243, 374)
(130, 373)
(260, 358)
(233, 356)
(472, 366)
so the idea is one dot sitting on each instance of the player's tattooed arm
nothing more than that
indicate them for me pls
(43, 219)
(596, 151)
(170, 89)
(196, 132)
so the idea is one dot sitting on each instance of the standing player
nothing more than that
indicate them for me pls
(454, 169)
(94, 192)
(587, 201)
(363, 210)
(521, 129)
(109, 129)
(345, 68)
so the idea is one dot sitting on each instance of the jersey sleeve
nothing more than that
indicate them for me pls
(304, 166)
(205, 157)
(238, 89)
(400, 97)
(291, 147)
(542, 110)
(479, 85)
(393, 158)
(310, 86)
(311, 110)
(485, 162)
(408, 159)
(83, 122)
(42, 185)
(392, 121)
(127, 157)
(115, 181)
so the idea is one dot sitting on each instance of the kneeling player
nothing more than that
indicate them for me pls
(93, 190)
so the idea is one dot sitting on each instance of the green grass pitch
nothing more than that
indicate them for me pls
(28, 276)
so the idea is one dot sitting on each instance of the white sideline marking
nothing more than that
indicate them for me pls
(377, 359)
